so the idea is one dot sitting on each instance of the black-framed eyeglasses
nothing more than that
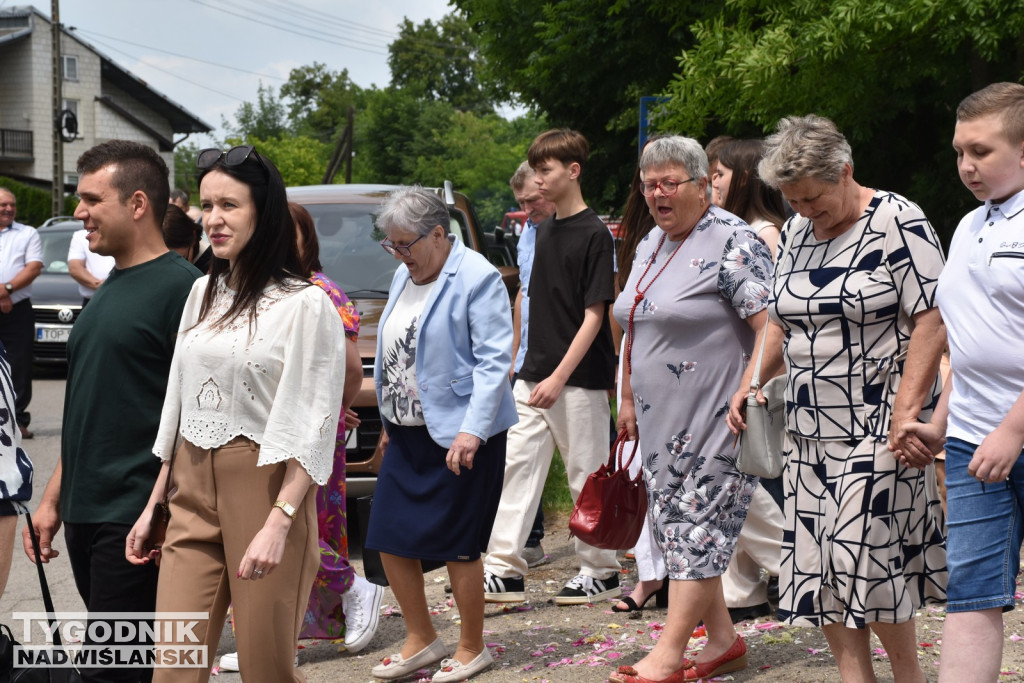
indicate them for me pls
(233, 157)
(668, 186)
(400, 249)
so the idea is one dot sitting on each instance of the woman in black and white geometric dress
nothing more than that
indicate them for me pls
(863, 546)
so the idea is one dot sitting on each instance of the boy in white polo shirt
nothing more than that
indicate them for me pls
(981, 412)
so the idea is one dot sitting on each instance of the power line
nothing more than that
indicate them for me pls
(175, 54)
(171, 73)
(287, 30)
(320, 18)
(287, 19)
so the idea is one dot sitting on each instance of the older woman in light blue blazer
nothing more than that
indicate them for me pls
(444, 347)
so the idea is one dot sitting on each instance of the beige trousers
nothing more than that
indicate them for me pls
(578, 425)
(222, 501)
(758, 547)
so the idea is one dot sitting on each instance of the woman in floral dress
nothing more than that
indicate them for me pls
(342, 602)
(691, 309)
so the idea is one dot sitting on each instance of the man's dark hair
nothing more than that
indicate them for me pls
(563, 144)
(180, 231)
(136, 168)
(179, 195)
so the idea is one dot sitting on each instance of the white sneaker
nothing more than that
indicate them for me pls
(362, 613)
(229, 662)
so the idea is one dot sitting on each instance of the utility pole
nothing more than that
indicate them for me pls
(57, 193)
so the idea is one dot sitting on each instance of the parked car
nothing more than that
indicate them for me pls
(57, 219)
(350, 252)
(56, 301)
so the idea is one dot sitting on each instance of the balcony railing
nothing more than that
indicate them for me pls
(15, 144)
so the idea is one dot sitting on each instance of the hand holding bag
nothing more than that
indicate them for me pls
(161, 513)
(610, 510)
(761, 443)
(9, 671)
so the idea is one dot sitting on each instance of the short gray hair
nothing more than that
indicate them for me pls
(518, 180)
(804, 147)
(675, 150)
(414, 209)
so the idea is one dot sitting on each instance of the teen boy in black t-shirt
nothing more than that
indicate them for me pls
(561, 394)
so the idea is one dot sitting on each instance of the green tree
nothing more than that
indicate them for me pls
(185, 175)
(585, 64)
(889, 74)
(439, 61)
(318, 100)
(301, 159)
(261, 119)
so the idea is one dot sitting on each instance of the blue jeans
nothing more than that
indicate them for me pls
(986, 528)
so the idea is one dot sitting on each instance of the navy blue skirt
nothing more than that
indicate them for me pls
(422, 510)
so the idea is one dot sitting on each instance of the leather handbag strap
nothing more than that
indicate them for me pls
(617, 448)
(755, 380)
(170, 470)
(47, 600)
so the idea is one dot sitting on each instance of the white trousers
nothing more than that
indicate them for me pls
(758, 547)
(650, 563)
(578, 425)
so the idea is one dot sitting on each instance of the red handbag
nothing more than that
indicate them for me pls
(610, 511)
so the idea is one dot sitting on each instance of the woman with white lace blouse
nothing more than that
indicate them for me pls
(253, 399)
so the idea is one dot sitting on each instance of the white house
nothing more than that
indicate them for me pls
(109, 101)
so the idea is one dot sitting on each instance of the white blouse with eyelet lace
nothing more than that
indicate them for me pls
(278, 383)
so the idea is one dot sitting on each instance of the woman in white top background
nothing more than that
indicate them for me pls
(744, 194)
(254, 339)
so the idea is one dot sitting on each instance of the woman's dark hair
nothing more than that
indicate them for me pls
(180, 231)
(309, 258)
(636, 222)
(748, 196)
(271, 254)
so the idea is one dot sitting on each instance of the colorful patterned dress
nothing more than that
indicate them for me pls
(690, 347)
(324, 616)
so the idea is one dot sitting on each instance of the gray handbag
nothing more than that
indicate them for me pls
(761, 443)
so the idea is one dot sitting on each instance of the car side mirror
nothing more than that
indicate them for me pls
(499, 236)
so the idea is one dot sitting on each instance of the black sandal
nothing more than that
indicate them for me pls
(660, 600)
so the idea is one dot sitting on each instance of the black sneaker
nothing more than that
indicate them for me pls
(497, 589)
(583, 589)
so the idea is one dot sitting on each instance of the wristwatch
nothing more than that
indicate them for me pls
(9, 287)
(286, 507)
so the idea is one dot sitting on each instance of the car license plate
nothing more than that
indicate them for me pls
(53, 333)
(351, 440)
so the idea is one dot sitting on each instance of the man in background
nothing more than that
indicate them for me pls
(119, 358)
(21, 261)
(538, 209)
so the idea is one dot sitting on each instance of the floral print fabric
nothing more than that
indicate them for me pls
(690, 346)
(325, 617)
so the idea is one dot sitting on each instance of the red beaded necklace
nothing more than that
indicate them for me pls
(641, 293)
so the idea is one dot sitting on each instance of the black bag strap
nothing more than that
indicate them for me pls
(51, 613)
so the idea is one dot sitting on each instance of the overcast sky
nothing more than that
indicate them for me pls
(210, 55)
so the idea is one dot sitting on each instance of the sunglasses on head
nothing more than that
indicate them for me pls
(233, 157)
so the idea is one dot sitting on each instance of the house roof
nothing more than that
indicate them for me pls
(13, 27)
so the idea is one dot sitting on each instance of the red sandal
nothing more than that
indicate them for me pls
(733, 659)
(627, 674)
